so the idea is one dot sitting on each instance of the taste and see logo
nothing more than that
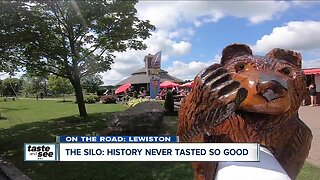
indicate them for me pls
(40, 152)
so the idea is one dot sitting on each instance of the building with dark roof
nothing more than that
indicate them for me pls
(142, 76)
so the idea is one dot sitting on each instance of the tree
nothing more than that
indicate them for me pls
(70, 39)
(1, 88)
(59, 85)
(34, 84)
(12, 86)
(92, 83)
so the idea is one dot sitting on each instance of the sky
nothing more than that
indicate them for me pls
(192, 34)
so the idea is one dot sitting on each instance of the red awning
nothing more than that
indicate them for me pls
(122, 88)
(189, 84)
(168, 84)
(311, 71)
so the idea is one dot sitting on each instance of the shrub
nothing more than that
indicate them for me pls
(135, 101)
(107, 99)
(135, 94)
(90, 99)
(161, 102)
(169, 103)
(97, 98)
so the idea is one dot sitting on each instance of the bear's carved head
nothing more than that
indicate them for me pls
(274, 81)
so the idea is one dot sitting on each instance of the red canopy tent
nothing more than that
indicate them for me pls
(188, 84)
(168, 84)
(122, 88)
(311, 71)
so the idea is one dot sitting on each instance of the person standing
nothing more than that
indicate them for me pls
(313, 94)
(163, 93)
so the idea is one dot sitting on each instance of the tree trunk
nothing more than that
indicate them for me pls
(79, 96)
(76, 75)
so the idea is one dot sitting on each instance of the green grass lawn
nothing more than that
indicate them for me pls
(31, 110)
(31, 121)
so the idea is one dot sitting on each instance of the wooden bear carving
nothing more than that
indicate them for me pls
(249, 98)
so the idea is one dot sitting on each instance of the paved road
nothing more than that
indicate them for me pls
(311, 116)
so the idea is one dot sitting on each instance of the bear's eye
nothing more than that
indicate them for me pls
(286, 70)
(239, 67)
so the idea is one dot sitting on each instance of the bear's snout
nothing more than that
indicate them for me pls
(271, 89)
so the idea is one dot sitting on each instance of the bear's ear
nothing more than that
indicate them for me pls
(287, 55)
(234, 50)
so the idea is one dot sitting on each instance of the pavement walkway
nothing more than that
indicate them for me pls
(311, 116)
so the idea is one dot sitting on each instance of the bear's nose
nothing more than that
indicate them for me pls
(271, 90)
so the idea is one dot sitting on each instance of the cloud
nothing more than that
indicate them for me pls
(181, 48)
(111, 77)
(189, 70)
(303, 4)
(125, 64)
(295, 35)
(4, 75)
(167, 14)
(130, 61)
(311, 63)
(183, 33)
(159, 41)
(176, 23)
